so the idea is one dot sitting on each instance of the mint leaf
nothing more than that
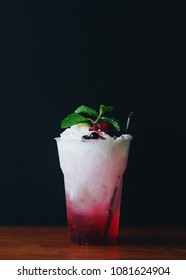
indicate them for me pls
(86, 110)
(113, 121)
(77, 117)
(104, 109)
(73, 119)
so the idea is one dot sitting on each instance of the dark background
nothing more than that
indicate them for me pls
(58, 55)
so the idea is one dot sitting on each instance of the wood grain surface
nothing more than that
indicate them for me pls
(52, 243)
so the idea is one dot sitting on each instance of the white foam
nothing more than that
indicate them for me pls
(75, 131)
(91, 168)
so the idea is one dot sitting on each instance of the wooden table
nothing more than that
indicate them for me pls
(52, 243)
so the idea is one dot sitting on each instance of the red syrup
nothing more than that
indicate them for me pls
(91, 226)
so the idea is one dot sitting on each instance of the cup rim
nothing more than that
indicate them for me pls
(125, 137)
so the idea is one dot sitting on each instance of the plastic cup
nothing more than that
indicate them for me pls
(93, 178)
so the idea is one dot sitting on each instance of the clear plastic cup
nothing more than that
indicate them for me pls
(93, 178)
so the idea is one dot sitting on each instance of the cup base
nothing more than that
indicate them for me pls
(86, 241)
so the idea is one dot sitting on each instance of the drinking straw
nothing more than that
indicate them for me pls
(110, 213)
(150, 106)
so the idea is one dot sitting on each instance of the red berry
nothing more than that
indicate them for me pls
(93, 128)
(107, 128)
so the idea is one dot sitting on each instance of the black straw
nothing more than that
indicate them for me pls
(107, 226)
(149, 107)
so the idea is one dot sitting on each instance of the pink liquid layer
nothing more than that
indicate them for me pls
(98, 225)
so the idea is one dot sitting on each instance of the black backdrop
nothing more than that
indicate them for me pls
(57, 55)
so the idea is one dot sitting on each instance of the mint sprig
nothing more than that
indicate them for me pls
(87, 110)
(83, 114)
(103, 109)
(72, 119)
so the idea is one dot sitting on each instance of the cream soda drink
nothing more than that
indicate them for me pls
(93, 159)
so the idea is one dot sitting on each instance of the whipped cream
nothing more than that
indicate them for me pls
(75, 132)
